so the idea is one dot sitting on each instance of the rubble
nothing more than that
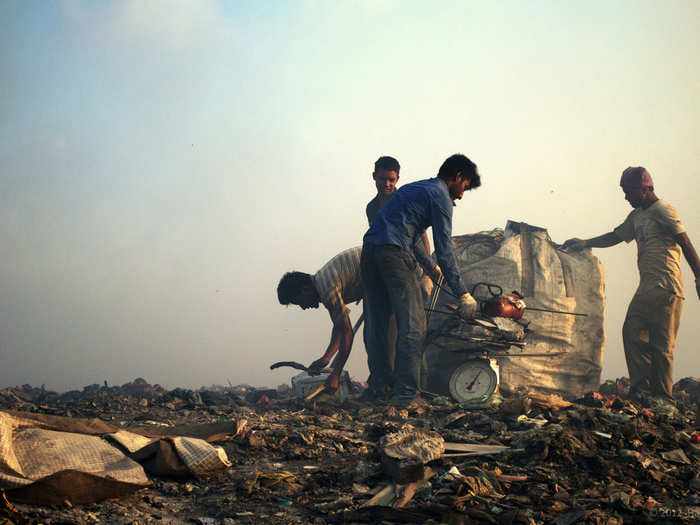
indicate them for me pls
(529, 459)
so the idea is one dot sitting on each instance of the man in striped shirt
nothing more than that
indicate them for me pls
(337, 283)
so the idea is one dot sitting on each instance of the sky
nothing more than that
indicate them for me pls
(164, 163)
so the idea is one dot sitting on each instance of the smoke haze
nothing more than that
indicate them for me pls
(162, 164)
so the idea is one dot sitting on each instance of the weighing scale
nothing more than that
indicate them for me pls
(474, 379)
(471, 347)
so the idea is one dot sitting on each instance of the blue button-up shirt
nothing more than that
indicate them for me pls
(403, 219)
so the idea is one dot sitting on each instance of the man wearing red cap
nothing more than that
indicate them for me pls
(653, 316)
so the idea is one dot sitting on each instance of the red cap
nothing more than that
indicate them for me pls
(636, 178)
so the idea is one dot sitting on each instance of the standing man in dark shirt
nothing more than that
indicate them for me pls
(385, 175)
(388, 267)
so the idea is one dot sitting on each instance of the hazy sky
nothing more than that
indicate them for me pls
(163, 163)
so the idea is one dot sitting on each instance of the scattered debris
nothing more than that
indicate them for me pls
(326, 462)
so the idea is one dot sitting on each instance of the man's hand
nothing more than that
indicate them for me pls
(426, 286)
(332, 382)
(436, 274)
(467, 306)
(574, 245)
(317, 366)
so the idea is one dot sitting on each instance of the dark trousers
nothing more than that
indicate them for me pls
(391, 285)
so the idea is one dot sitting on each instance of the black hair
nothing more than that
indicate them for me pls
(291, 286)
(388, 164)
(460, 163)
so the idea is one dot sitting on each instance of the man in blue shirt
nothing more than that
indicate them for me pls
(388, 267)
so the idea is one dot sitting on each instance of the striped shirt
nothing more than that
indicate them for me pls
(339, 282)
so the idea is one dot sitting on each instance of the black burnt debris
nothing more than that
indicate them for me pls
(524, 459)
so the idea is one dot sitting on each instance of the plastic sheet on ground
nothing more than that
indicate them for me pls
(40, 464)
(48, 459)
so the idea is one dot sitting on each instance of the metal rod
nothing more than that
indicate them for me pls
(437, 311)
(553, 311)
(483, 340)
(446, 290)
(358, 322)
(434, 297)
(528, 355)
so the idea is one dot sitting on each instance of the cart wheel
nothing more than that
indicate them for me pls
(473, 379)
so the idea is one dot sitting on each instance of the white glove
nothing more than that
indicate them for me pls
(467, 306)
(574, 245)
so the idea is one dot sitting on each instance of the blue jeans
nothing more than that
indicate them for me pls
(391, 285)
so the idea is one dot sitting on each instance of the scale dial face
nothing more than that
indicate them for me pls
(473, 379)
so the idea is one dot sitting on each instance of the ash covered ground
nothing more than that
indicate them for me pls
(602, 459)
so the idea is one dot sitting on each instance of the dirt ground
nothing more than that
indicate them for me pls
(602, 460)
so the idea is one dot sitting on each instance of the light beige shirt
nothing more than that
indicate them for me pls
(340, 282)
(658, 253)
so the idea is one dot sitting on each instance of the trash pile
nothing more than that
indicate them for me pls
(526, 459)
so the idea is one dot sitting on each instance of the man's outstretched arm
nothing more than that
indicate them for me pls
(691, 256)
(602, 241)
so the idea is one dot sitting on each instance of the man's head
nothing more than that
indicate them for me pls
(460, 175)
(638, 187)
(386, 175)
(297, 288)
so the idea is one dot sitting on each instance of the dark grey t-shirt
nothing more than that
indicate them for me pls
(372, 209)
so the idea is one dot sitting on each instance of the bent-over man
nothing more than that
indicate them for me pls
(336, 284)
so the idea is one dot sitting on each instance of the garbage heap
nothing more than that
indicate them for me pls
(533, 458)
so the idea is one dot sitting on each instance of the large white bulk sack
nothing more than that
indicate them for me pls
(524, 258)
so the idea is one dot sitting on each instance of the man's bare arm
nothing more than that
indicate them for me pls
(602, 241)
(426, 242)
(691, 256)
(333, 345)
(345, 335)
